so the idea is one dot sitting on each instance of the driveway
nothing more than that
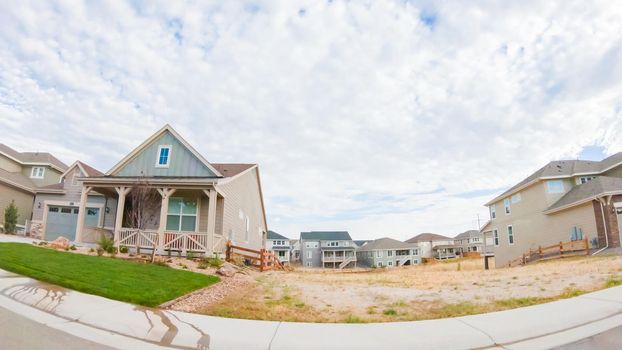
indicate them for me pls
(17, 332)
(608, 340)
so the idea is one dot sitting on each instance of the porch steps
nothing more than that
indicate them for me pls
(346, 262)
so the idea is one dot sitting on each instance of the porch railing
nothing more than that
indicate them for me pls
(186, 241)
(134, 237)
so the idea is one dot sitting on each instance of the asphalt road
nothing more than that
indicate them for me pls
(611, 339)
(17, 332)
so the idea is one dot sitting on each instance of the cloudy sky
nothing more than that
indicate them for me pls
(383, 118)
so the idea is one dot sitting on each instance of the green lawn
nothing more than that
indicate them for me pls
(134, 282)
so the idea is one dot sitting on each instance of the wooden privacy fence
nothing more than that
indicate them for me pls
(560, 250)
(264, 259)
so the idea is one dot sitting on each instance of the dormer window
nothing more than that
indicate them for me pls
(584, 179)
(37, 172)
(164, 156)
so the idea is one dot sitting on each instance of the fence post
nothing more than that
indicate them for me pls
(261, 259)
(561, 248)
(228, 251)
(540, 251)
(587, 246)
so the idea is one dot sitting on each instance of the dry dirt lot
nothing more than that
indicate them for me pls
(449, 289)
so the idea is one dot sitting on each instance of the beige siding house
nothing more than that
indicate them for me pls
(563, 201)
(22, 175)
(194, 206)
(435, 246)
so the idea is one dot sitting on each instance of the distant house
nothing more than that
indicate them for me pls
(388, 252)
(280, 245)
(434, 245)
(333, 249)
(472, 241)
(22, 174)
(295, 252)
(362, 242)
(564, 200)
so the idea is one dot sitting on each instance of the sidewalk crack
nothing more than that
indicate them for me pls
(494, 343)
(274, 336)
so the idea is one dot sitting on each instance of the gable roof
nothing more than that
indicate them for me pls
(152, 138)
(563, 169)
(17, 180)
(32, 158)
(598, 187)
(426, 237)
(87, 170)
(231, 169)
(326, 236)
(274, 235)
(386, 243)
(362, 242)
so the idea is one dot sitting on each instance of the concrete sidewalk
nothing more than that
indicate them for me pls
(127, 326)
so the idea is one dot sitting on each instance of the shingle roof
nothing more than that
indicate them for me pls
(228, 170)
(425, 237)
(588, 191)
(33, 157)
(274, 235)
(386, 243)
(360, 242)
(17, 180)
(564, 168)
(326, 235)
(467, 234)
(90, 171)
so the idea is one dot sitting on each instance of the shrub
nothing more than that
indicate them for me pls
(91, 250)
(189, 255)
(100, 251)
(73, 247)
(390, 312)
(123, 249)
(353, 319)
(106, 244)
(613, 281)
(210, 262)
(10, 218)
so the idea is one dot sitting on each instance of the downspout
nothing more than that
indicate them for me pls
(602, 211)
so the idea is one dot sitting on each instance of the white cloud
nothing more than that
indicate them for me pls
(354, 110)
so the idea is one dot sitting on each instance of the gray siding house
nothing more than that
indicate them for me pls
(333, 249)
(388, 252)
(280, 245)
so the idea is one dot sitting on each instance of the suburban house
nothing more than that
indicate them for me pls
(295, 252)
(361, 242)
(472, 241)
(334, 249)
(55, 210)
(164, 195)
(435, 246)
(563, 201)
(280, 245)
(388, 252)
(22, 174)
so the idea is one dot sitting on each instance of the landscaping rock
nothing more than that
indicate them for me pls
(227, 270)
(60, 243)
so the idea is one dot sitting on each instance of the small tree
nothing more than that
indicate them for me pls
(144, 201)
(10, 218)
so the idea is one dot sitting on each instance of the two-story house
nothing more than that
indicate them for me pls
(279, 245)
(473, 241)
(388, 252)
(564, 200)
(435, 246)
(333, 249)
(22, 174)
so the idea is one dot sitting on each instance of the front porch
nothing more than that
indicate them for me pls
(338, 258)
(172, 219)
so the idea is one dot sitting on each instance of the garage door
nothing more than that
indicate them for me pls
(62, 221)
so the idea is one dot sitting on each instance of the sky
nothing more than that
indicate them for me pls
(382, 118)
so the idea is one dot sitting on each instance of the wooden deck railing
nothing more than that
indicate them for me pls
(560, 250)
(264, 259)
(133, 237)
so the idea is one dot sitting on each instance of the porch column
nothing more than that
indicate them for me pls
(211, 217)
(118, 219)
(166, 193)
(81, 211)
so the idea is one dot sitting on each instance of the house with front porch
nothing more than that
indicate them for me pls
(435, 246)
(332, 249)
(165, 195)
(388, 252)
(279, 245)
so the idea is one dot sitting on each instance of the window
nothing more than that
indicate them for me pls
(584, 179)
(390, 263)
(37, 172)
(576, 234)
(311, 244)
(53, 210)
(309, 255)
(76, 176)
(510, 234)
(379, 254)
(65, 210)
(516, 198)
(506, 205)
(182, 215)
(309, 263)
(389, 253)
(415, 251)
(379, 264)
(495, 235)
(493, 211)
(555, 186)
(164, 156)
(281, 253)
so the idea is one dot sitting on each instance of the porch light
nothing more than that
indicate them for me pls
(39, 205)
(107, 210)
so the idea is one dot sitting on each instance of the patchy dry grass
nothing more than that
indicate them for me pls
(414, 293)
